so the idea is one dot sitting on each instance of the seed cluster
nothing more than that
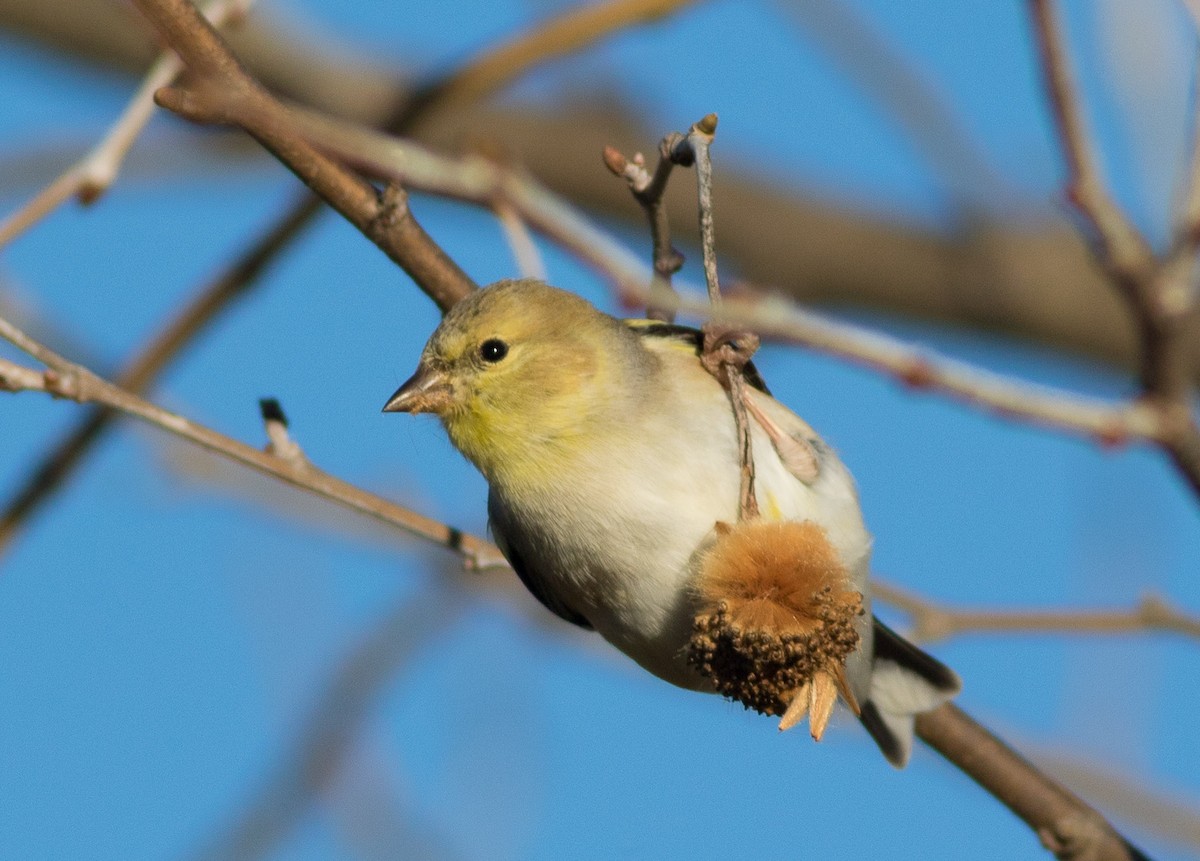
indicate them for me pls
(776, 609)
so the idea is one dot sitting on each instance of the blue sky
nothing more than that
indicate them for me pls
(169, 628)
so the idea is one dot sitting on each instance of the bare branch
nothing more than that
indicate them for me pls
(141, 373)
(482, 181)
(524, 249)
(556, 37)
(648, 190)
(931, 621)
(775, 318)
(1066, 825)
(91, 176)
(1159, 292)
(63, 378)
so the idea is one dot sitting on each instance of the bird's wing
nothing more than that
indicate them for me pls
(506, 540)
(689, 340)
(905, 681)
(797, 444)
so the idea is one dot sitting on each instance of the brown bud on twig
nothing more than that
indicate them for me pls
(776, 620)
(707, 124)
(615, 160)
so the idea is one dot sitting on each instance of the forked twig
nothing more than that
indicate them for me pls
(92, 175)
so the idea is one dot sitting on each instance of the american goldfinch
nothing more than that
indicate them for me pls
(612, 460)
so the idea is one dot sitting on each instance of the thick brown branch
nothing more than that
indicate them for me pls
(226, 93)
(1159, 292)
(1065, 824)
(503, 65)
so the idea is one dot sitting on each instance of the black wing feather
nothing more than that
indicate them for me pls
(535, 586)
(695, 338)
(890, 646)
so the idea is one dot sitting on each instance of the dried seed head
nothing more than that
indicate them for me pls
(777, 613)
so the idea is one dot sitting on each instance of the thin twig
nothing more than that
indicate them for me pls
(556, 37)
(63, 378)
(92, 175)
(524, 249)
(1106, 422)
(57, 464)
(481, 181)
(649, 190)
(725, 352)
(49, 473)
(698, 141)
(929, 621)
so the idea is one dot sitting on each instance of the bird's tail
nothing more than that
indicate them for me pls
(905, 682)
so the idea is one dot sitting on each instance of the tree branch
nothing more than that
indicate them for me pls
(231, 96)
(929, 621)
(56, 466)
(65, 379)
(92, 175)
(1159, 291)
(1066, 825)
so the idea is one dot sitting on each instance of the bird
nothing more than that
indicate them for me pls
(612, 462)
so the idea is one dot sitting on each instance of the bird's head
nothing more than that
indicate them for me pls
(515, 372)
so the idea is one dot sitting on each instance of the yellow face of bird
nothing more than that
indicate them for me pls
(509, 372)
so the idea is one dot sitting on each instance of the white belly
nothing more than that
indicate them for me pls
(630, 568)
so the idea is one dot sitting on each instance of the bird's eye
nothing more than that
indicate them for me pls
(493, 350)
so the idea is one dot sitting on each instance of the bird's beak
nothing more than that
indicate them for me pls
(426, 391)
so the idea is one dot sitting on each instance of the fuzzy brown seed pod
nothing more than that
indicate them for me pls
(776, 619)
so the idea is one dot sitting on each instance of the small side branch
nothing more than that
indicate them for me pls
(92, 175)
(66, 379)
(687, 150)
(931, 621)
(143, 370)
(726, 351)
(1105, 422)
(648, 190)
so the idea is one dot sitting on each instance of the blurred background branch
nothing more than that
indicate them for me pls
(1023, 273)
(997, 263)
